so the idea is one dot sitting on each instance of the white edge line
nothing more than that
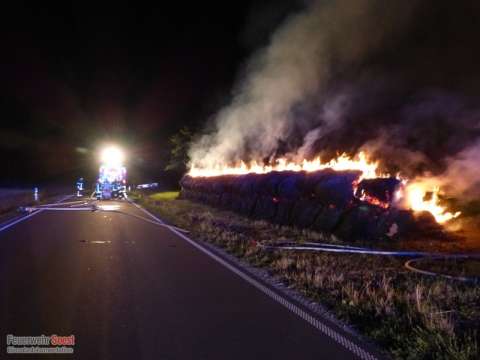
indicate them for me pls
(325, 329)
(10, 224)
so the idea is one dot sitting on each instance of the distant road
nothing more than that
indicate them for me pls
(128, 289)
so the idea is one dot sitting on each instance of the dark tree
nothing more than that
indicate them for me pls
(179, 144)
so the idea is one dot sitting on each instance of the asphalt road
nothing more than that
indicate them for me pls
(128, 289)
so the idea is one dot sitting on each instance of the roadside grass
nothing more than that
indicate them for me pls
(166, 195)
(409, 315)
(12, 199)
(455, 267)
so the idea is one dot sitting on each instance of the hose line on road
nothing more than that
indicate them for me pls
(148, 220)
(95, 208)
(30, 209)
(56, 204)
(291, 246)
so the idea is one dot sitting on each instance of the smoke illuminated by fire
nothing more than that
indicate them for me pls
(328, 81)
(417, 195)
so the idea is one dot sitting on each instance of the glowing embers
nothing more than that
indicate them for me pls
(374, 201)
(380, 192)
(416, 195)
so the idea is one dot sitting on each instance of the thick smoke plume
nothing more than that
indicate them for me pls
(396, 78)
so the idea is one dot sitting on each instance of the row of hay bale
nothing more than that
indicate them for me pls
(328, 201)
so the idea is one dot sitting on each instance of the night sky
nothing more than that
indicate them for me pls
(75, 75)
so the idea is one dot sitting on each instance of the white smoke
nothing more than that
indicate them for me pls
(462, 176)
(294, 67)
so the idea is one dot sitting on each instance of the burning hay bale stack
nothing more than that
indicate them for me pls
(329, 201)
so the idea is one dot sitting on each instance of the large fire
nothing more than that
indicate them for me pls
(423, 197)
(361, 162)
(415, 195)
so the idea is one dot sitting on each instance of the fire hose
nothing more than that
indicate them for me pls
(95, 208)
(290, 246)
(409, 264)
(63, 203)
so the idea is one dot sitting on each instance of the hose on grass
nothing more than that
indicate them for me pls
(309, 246)
(345, 249)
(409, 264)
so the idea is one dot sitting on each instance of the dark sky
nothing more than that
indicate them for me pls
(76, 74)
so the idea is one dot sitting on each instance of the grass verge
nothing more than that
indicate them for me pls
(10, 201)
(166, 195)
(409, 315)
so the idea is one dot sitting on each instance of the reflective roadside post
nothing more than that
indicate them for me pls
(79, 187)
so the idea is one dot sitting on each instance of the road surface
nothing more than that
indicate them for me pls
(128, 289)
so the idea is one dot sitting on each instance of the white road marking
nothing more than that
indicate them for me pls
(325, 329)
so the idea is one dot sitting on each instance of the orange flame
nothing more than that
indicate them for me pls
(413, 194)
(374, 201)
(421, 196)
(360, 162)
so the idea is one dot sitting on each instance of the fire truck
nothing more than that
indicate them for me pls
(112, 176)
(111, 183)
